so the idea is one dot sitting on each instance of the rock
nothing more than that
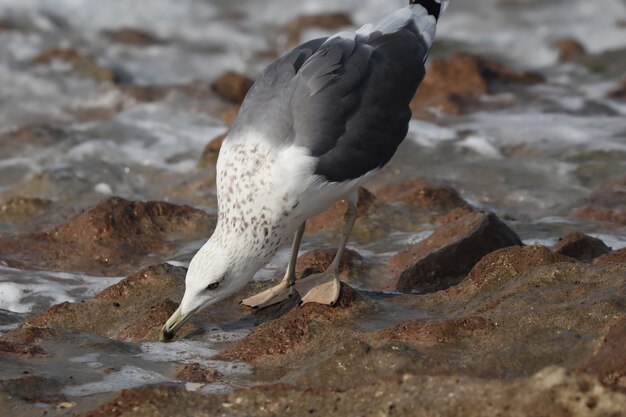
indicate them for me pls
(620, 92)
(581, 247)
(442, 259)
(329, 21)
(318, 260)
(609, 363)
(300, 330)
(332, 218)
(423, 194)
(607, 203)
(20, 349)
(614, 257)
(211, 152)
(33, 389)
(111, 238)
(569, 49)
(194, 372)
(132, 310)
(550, 392)
(455, 84)
(132, 36)
(601, 214)
(82, 64)
(232, 86)
(431, 333)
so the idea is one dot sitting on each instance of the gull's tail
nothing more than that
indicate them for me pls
(433, 7)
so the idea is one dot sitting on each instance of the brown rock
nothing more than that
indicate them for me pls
(34, 389)
(299, 330)
(131, 310)
(551, 392)
(601, 214)
(569, 49)
(82, 64)
(453, 85)
(620, 92)
(334, 215)
(211, 151)
(581, 247)
(318, 260)
(194, 372)
(447, 255)
(132, 36)
(607, 203)
(110, 238)
(20, 349)
(430, 333)
(330, 21)
(609, 363)
(424, 194)
(232, 86)
(614, 257)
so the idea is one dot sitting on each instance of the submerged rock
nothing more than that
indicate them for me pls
(443, 258)
(109, 239)
(607, 203)
(581, 246)
(211, 152)
(454, 85)
(329, 21)
(81, 64)
(569, 49)
(132, 36)
(423, 194)
(194, 372)
(232, 86)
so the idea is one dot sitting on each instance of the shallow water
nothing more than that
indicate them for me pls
(531, 162)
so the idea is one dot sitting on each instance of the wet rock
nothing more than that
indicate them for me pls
(81, 64)
(332, 218)
(17, 213)
(20, 349)
(601, 214)
(329, 21)
(552, 391)
(443, 258)
(423, 194)
(607, 203)
(609, 363)
(111, 238)
(194, 372)
(614, 257)
(318, 260)
(34, 389)
(581, 246)
(232, 86)
(211, 152)
(433, 332)
(569, 49)
(300, 330)
(619, 92)
(132, 36)
(454, 85)
(132, 310)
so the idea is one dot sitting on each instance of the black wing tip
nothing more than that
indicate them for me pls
(433, 7)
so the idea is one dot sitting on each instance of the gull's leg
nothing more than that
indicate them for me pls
(282, 291)
(324, 288)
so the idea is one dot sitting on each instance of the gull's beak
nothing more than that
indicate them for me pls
(174, 323)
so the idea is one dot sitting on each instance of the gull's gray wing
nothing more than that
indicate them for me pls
(345, 98)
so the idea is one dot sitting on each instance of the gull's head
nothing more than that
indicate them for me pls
(210, 278)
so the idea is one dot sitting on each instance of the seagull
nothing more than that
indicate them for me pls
(317, 123)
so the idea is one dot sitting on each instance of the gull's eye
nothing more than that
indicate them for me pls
(213, 286)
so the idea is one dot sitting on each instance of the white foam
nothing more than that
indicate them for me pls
(429, 134)
(28, 291)
(127, 377)
(190, 351)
